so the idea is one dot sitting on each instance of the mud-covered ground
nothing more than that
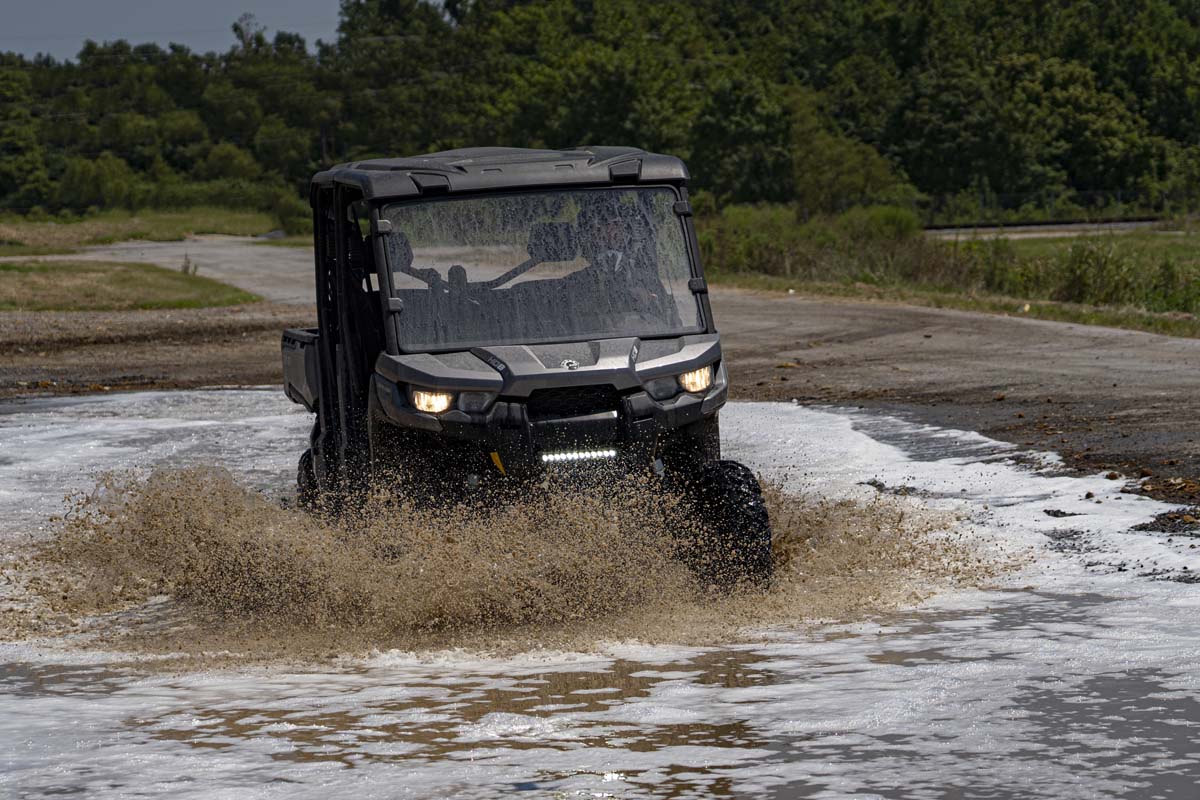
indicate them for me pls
(80, 352)
(1107, 399)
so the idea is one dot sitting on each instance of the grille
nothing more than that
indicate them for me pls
(573, 401)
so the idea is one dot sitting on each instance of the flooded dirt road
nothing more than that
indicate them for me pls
(1073, 676)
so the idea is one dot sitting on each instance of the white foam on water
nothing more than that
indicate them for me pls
(1076, 677)
(56, 446)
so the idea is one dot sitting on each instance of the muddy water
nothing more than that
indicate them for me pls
(1075, 676)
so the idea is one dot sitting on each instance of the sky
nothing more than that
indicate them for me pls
(59, 27)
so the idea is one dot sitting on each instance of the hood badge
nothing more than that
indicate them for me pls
(569, 363)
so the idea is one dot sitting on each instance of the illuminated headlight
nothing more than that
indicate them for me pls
(697, 380)
(431, 402)
(578, 455)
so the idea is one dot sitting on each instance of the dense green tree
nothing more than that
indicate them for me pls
(24, 181)
(398, 78)
(287, 150)
(741, 143)
(1018, 103)
(833, 171)
(233, 111)
(133, 135)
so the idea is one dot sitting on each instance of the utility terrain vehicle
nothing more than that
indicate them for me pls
(493, 316)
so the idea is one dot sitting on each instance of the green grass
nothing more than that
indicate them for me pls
(18, 249)
(1166, 323)
(1182, 246)
(1148, 280)
(107, 286)
(107, 227)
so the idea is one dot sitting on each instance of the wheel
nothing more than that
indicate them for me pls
(734, 544)
(306, 481)
(683, 448)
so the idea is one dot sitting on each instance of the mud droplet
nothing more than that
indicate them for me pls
(189, 560)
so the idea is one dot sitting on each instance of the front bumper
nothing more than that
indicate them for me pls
(509, 439)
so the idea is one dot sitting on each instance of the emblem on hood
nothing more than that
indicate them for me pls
(569, 363)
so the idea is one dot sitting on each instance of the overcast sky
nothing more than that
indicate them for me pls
(59, 27)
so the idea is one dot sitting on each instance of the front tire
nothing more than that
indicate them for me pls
(735, 530)
(306, 482)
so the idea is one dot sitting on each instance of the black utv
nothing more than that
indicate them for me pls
(494, 316)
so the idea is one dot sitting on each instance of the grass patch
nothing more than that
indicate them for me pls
(1146, 246)
(116, 226)
(1156, 272)
(18, 249)
(107, 286)
(1146, 281)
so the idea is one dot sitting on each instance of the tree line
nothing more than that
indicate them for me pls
(824, 104)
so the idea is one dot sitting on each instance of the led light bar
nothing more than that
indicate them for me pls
(578, 455)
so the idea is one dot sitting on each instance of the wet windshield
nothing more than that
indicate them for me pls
(540, 267)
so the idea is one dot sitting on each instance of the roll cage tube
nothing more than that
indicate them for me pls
(391, 306)
(684, 210)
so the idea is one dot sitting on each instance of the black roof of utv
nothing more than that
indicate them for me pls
(478, 169)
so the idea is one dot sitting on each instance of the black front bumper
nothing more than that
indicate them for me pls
(512, 437)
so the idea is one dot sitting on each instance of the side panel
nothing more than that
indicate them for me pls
(301, 366)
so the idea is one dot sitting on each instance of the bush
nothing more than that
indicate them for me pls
(107, 182)
(744, 238)
(883, 245)
(1094, 272)
(1176, 287)
(227, 161)
(879, 223)
(294, 215)
(237, 194)
(861, 244)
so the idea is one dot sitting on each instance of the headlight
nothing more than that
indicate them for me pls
(697, 380)
(431, 402)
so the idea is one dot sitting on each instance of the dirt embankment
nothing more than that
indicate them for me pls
(72, 352)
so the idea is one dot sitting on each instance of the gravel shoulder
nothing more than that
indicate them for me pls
(1106, 399)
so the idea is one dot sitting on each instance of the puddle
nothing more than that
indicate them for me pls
(1075, 677)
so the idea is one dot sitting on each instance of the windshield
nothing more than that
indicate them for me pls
(540, 267)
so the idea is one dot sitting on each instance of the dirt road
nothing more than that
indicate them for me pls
(1107, 399)
(276, 274)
